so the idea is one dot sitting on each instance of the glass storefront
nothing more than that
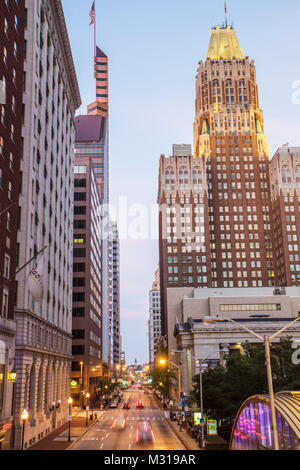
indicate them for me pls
(252, 430)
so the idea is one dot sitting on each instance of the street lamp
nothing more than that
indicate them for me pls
(266, 340)
(199, 363)
(163, 362)
(24, 418)
(87, 407)
(81, 383)
(70, 401)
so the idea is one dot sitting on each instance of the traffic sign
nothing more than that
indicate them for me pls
(212, 429)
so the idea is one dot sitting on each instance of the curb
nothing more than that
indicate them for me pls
(81, 435)
(180, 436)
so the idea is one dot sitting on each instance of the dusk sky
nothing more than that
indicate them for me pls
(154, 47)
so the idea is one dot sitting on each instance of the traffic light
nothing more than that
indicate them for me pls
(149, 380)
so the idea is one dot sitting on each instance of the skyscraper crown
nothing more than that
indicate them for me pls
(224, 45)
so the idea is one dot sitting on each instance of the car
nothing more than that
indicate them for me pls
(113, 404)
(119, 424)
(139, 404)
(144, 433)
(146, 392)
(126, 405)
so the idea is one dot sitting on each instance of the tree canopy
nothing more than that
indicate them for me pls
(226, 388)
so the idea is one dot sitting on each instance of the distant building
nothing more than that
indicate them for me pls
(154, 322)
(116, 326)
(87, 279)
(285, 204)
(92, 139)
(11, 114)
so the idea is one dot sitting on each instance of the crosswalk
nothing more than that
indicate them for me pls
(133, 418)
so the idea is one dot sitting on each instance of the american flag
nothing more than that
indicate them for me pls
(92, 14)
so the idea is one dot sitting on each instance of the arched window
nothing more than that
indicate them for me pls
(197, 178)
(181, 178)
(40, 390)
(229, 93)
(169, 177)
(216, 92)
(32, 393)
(2, 371)
(297, 176)
(243, 94)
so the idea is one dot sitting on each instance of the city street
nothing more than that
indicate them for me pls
(102, 437)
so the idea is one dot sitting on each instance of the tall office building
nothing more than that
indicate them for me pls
(92, 141)
(116, 324)
(87, 278)
(229, 136)
(11, 77)
(285, 204)
(43, 342)
(215, 227)
(154, 322)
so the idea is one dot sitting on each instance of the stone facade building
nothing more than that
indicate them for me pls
(262, 310)
(12, 20)
(154, 322)
(43, 343)
(285, 204)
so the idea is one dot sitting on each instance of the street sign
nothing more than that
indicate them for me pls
(69, 417)
(212, 429)
(197, 418)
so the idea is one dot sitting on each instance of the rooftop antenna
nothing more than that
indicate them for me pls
(226, 22)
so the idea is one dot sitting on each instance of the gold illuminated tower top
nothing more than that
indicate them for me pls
(224, 45)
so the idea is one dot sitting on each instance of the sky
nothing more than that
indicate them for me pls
(154, 47)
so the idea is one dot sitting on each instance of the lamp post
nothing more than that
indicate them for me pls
(87, 408)
(70, 401)
(81, 383)
(24, 418)
(199, 363)
(266, 340)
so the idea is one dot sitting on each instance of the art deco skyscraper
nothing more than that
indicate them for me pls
(215, 228)
(229, 136)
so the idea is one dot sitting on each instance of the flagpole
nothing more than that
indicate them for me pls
(24, 266)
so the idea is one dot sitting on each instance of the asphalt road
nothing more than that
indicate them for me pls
(102, 437)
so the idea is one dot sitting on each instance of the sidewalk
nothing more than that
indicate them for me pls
(184, 437)
(58, 439)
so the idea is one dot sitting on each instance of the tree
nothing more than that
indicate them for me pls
(226, 388)
(162, 379)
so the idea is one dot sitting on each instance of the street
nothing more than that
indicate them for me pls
(102, 437)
